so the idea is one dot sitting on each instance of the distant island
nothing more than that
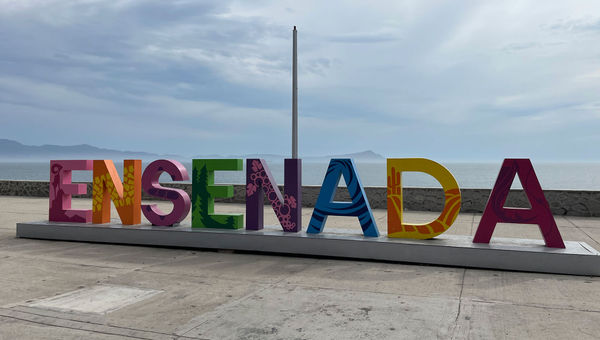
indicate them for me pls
(13, 151)
(363, 156)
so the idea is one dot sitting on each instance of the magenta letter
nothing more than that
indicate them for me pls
(61, 190)
(538, 214)
(180, 199)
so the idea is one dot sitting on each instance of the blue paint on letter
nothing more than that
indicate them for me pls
(358, 207)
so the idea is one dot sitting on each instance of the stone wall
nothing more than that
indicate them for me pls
(562, 202)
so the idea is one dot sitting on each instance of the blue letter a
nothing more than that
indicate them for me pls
(358, 207)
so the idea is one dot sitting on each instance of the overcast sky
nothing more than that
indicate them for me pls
(447, 80)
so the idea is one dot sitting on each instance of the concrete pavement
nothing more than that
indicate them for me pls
(226, 295)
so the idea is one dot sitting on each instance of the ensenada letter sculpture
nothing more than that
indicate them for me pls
(126, 196)
(287, 207)
(179, 198)
(61, 189)
(204, 192)
(359, 206)
(396, 227)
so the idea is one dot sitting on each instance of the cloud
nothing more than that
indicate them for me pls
(444, 79)
(364, 38)
(577, 25)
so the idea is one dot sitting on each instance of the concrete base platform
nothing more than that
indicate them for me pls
(578, 258)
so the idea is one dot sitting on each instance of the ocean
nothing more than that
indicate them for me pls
(563, 176)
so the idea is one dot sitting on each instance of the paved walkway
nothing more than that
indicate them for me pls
(118, 292)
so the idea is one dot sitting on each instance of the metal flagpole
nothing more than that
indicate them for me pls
(295, 95)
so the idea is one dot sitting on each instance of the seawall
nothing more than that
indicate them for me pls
(562, 202)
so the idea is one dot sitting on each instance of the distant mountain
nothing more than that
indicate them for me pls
(265, 156)
(363, 156)
(11, 150)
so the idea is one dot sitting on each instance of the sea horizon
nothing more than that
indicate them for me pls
(469, 175)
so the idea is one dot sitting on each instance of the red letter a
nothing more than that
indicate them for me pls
(538, 214)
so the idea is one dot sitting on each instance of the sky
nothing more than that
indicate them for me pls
(445, 80)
